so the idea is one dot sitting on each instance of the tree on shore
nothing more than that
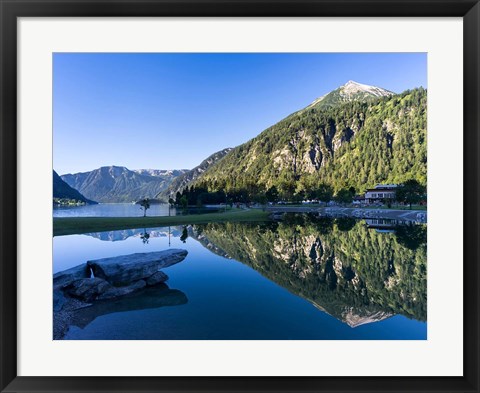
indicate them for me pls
(410, 192)
(145, 204)
(184, 202)
(324, 193)
(344, 196)
(272, 194)
(178, 196)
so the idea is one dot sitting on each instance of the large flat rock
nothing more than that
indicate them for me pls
(125, 269)
(67, 277)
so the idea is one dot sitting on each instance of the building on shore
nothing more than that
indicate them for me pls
(380, 193)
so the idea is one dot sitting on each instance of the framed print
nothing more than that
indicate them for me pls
(247, 196)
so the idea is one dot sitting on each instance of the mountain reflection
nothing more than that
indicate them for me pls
(354, 273)
(124, 234)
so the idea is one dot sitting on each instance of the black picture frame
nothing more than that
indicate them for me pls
(10, 10)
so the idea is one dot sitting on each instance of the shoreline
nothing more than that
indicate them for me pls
(417, 216)
(77, 225)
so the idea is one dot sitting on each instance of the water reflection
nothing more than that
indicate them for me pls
(145, 236)
(149, 298)
(184, 236)
(411, 236)
(121, 235)
(299, 278)
(344, 267)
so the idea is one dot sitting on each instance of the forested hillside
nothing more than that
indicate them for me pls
(355, 144)
(188, 177)
(64, 194)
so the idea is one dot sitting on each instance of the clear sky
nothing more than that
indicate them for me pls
(170, 111)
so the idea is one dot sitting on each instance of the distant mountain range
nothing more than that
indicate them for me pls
(62, 190)
(119, 184)
(356, 135)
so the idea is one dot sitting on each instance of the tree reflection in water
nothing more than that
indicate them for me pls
(354, 273)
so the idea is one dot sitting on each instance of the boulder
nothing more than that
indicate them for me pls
(67, 277)
(114, 292)
(59, 300)
(126, 269)
(157, 278)
(88, 289)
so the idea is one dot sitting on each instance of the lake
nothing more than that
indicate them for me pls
(302, 278)
(122, 210)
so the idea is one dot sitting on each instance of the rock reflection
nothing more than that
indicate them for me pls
(149, 298)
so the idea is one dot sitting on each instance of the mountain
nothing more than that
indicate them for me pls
(351, 91)
(189, 177)
(356, 136)
(62, 190)
(119, 184)
(161, 172)
(120, 235)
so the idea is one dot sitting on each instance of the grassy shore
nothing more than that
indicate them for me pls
(76, 225)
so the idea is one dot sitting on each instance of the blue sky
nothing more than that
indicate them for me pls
(170, 111)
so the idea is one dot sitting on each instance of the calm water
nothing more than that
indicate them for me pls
(111, 210)
(120, 210)
(297, 279)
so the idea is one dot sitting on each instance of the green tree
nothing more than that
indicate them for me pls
(272, 194)
(324, 193)
(261, 199)
(184, 201)
(178, 196)
(410, 192)
(145, 205)
(344, 196)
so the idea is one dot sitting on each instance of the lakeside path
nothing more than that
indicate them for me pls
(419, 216)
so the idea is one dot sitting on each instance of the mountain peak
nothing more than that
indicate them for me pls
(352, 87)
(350, 91)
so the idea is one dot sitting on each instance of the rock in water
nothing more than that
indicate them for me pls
(125, 269)
(58, 300)
(88, 289)
(157, 278)
(114, 292)
(67, 277)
